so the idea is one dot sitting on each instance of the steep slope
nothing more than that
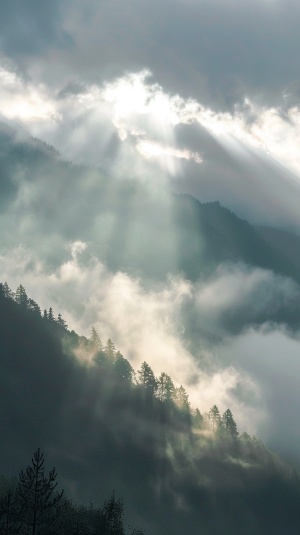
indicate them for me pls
(102, 434)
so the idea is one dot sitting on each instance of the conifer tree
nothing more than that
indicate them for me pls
(112, 515)
(8, 293)
(182, 399)
(33, 306)
(165, 388)
(36, 502)
(61, 322)
(95, 343)
(229, 424)
(146, 378)
(110, 349)
(50, 315)
(7, 514)
(21, 296)
(123, 368)
(214, 418)
(198, 419)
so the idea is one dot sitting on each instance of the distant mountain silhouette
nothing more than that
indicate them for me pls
(130, 225)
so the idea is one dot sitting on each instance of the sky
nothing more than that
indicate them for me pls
(198, 97)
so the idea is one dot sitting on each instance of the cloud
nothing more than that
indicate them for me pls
(271, 360)
(216, 52)
(146, 324)
(133, 127)
(237, 297)
(28, 32)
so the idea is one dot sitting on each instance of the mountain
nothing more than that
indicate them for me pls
(131, 226)
(103, 431)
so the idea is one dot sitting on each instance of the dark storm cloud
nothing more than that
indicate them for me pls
(215, 52)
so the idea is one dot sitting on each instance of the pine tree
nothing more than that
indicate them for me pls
(182, 399)
(7, 514)
(45, 314)
(37, 505)
(21, 296)
(198, 419)
(165, 388)
(229, 424)
(95, 343)
(146, 378)
(110, 349)
(214, 418)
(112, 514)
(8, 293)
(123, 368)
(50, 315)
(33, 306)
(61, 322)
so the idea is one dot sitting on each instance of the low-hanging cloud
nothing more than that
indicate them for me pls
(179, 328)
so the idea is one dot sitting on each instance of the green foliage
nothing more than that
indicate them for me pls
(61, 322)
(165, 388)
(229, 424)
(33, 306)
(122, 368)
(5, 291)
(182, 399)
(197, 419)
(214, 418)
(94, 342)
(21, 296)
(146, 379)
(110, 350)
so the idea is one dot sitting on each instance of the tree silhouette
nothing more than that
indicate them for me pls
(110, 349)
(112, 516)
(147, 379)
(123, 368)
(95, 343)
(214, 418)
(229, 424)
(50, 314)
(61, 322)
(36, 502)
(33, 306)
(165, 388)
(6, 291)
(8, 514)
(21, 296)
(182, 399)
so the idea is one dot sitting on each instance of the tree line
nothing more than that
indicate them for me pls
(107, 358)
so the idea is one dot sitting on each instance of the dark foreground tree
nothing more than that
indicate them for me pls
(112, 516)
(37, 503)
(8, 514)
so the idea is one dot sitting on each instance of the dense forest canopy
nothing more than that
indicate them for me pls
(107, 426)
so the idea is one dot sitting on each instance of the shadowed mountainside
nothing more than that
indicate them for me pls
(102, 431)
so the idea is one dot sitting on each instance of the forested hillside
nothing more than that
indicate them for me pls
(108, 427)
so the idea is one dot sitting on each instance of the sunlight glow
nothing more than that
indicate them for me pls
(150, 149)
(20, 100)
